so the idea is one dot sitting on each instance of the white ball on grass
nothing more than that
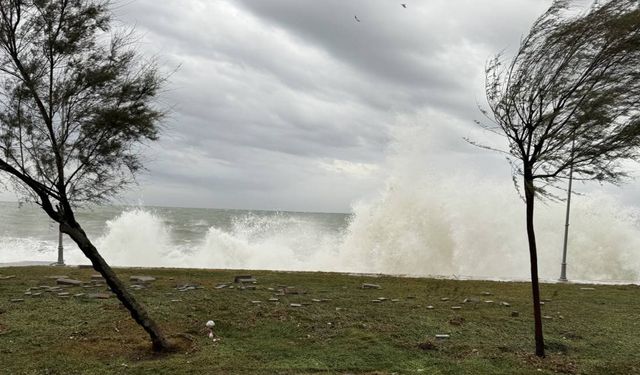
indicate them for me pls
(210, 324)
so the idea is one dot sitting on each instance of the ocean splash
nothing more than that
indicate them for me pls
(434, 216)
(438, 215)
(418, 229)
(276, 241)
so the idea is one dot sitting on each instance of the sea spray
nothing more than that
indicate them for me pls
(480, 232)
(437, 215)
(438, 212)
(276, 241)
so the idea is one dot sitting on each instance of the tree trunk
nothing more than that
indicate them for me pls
(533, 255)
(138, 312)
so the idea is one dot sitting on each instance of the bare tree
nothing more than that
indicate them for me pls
(75, 103)
(569, 98)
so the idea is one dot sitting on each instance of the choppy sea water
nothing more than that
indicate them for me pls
(389, 235)
(176, 237)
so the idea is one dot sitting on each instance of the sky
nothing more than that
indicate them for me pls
(296, 105)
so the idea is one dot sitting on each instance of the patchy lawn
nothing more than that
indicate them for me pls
(338, 329)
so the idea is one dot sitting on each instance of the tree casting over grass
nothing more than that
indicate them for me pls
(569, 97)
(75, 103)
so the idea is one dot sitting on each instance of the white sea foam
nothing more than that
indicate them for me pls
(437, 216)
(429, 219)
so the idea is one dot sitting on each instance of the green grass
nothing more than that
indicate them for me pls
(592, 332)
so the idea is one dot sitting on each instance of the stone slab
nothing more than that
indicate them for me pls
(142, 278)
(65, 281)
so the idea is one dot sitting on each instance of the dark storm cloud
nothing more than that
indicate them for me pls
(276, 103)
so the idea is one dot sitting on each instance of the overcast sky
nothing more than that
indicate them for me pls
(293, 105)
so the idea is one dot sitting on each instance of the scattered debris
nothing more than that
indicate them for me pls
(370, 286)
(376, 301)
(66, 281)
(273, 300)
(63, 294)
(488, 301)
(444, 299)
(142, 279)
(395, 300)
(382, 298)
(547, 317)
(209, 325)
(256, 302)
(176, 300)
(506, 304)
(316, 300)
(442, 336)
(486, 293)
(244, 279)
(136, 286)
(429, 307)
(99, 296)
(456, 307)
(187, 287)
(221, 286)
(295, 305)
(17, 300)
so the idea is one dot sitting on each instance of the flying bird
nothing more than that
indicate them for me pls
(357, 19)
(404, 5)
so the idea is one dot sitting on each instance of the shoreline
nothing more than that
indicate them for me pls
(355, 274)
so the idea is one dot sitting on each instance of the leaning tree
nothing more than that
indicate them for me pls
(76, 102)
(570, 97)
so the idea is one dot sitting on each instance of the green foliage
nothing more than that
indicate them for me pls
(76, 100)
(571, 94)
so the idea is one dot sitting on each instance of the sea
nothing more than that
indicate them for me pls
(390, 235)
(432, 212)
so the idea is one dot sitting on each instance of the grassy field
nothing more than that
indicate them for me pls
(338, 328)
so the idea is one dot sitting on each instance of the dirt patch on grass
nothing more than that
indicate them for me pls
(559, 364)
(427, 345)
(132, 347)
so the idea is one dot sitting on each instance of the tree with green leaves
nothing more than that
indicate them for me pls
(570, 97)
(76, 103)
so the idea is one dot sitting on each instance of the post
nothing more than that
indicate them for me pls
(563, 268)
(60, 250)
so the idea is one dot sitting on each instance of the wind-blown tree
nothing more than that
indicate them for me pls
(75, 103)
(570, 97)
